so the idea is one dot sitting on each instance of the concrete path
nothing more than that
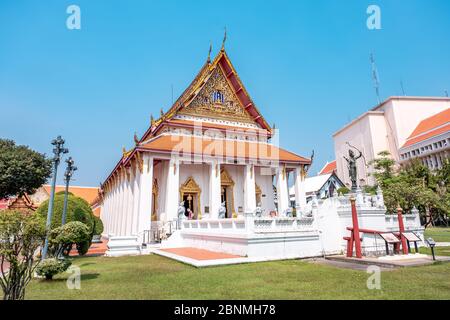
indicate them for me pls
(410, 260)
(345, 264)
(442, 244)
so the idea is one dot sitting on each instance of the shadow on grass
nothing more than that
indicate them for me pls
(88, 276)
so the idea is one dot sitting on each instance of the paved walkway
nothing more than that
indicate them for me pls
(410, 260)
(344, 265)
(199, 254)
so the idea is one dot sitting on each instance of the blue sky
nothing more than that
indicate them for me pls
(305, 64)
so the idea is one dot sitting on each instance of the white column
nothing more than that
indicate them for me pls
(145, 195)
(249, 189)
(282, 190)
(115, 210)
(172, 190)
(128, 218)
(122, 207)
(214, 190)
(106, 213)
(136, 199)
(300, 195)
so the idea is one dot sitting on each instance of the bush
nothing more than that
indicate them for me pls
(343, 190)
(50, 267)
(62, 239)
(83, 247)
(98, 228)
(21, 234)
(77, 210)
(372, 190)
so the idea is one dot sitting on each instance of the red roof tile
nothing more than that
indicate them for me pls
(188, 145)
(430, 127)
(330, 167)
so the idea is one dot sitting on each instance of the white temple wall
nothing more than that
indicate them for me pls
(265, 182)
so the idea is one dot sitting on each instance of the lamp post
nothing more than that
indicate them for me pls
(67, 176)
(58, 149)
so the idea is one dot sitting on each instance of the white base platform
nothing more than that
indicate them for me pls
(123, 246)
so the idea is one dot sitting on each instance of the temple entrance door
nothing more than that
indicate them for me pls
(223, 198)
(190, 193)
(227, 185)
(189, 203)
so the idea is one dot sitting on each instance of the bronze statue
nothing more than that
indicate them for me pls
(351, 165)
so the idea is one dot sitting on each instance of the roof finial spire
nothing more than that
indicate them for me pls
(209, 53)
(224, 39)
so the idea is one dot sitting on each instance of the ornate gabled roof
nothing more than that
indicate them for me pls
(233, 101)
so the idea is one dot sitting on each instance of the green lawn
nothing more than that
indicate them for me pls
(438, 234)
(155, 277)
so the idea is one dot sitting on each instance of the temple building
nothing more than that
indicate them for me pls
(211, 155)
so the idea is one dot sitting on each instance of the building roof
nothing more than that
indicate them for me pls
(329, 167)
(313, 184)
(222, 62)
(4, 203)
(234, 149)
(430, 127)
(87, 193)
(376, 110)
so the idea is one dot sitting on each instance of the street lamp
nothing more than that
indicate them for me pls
(58, 149)
(67, 176)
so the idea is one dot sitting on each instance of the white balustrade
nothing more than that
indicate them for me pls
(251, 224)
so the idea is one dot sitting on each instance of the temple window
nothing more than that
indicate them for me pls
(218, 97)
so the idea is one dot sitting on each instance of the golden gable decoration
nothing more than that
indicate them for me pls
(225, 178)
(217, 100)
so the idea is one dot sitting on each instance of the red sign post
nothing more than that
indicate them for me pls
(355, 232)
(401, 228)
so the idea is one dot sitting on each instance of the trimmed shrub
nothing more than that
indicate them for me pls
(51, 267)
(343, 190)
(83, 247)
(98, 228)
(77, 210)
(63, 238)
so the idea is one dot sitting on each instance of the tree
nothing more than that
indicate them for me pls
(77, 210)
(384, 166)
(414, 185)
(21, 234)
(22, 170)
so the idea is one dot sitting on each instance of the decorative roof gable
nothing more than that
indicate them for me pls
(216, 92)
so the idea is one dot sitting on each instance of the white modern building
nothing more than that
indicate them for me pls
(429, 142)
(387, 127)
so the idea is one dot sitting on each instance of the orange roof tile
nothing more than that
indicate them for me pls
(87, 193)
(432, 122)
(427, 135)
(329, 167)
(235, 149)
(430, 127)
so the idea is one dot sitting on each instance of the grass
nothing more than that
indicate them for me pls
(155, 277)
(438, 234)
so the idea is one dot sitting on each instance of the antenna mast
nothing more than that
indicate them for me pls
(376, 81)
